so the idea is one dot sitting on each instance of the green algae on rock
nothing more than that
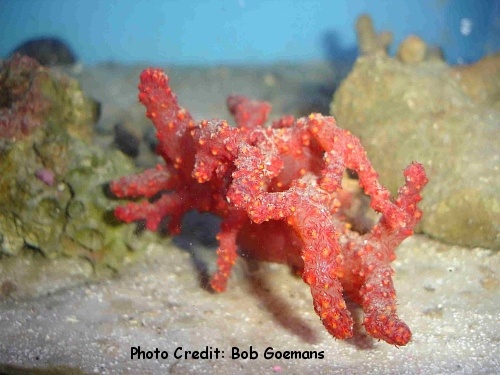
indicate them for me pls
(91, 229)
(52, 186)
(421, 112)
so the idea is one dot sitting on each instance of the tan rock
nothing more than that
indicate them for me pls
(412, 50)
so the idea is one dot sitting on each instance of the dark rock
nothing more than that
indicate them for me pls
(126, 141)
(48, 51)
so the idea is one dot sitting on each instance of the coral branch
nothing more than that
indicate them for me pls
(153, 213)
(145, 184)
(248, 113)
(227, 251)
(171, 121)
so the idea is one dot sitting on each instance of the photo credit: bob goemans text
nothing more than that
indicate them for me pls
(212, 352)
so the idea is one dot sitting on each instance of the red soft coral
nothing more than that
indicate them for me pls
(278, 192)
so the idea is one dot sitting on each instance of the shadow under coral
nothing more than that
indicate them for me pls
(198, 239)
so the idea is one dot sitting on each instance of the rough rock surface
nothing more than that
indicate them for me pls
(481, 81)
(52, 184)
(420, 112)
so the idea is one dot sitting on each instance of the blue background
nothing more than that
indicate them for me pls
(244, 31)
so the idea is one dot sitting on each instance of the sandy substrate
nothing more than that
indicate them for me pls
(449, 296)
